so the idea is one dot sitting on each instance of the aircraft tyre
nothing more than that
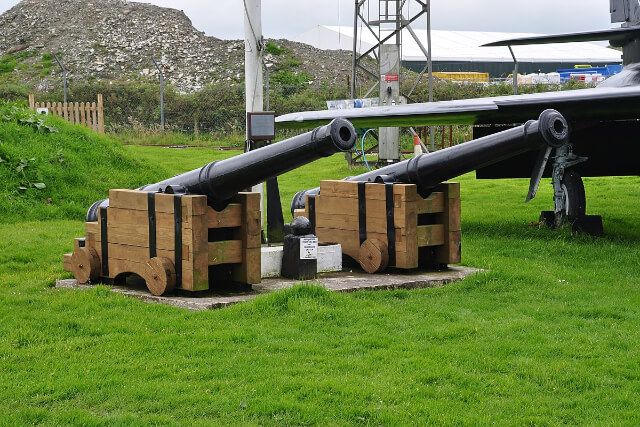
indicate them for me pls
(575, 201)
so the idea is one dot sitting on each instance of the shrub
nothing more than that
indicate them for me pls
(7, 64)
(291, 81)
(273, 48)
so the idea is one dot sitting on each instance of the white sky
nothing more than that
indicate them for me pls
(288, 18)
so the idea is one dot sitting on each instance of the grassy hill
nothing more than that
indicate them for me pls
(51, 169)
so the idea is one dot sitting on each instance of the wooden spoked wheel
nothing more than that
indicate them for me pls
(160, 276)
(85, 264)
(373, 256)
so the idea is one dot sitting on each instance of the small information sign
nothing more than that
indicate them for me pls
(261, 126)
(309, 248)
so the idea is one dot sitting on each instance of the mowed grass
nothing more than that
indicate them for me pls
(547, 335)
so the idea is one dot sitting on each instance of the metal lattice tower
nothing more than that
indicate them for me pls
(386, 23)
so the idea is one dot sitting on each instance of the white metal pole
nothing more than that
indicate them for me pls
(253, 55)
(253, 67)
(355, 45)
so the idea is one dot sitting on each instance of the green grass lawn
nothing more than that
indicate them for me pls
(548, 335)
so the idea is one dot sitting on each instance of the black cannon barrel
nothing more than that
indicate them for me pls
(221, 180)
(428, 170)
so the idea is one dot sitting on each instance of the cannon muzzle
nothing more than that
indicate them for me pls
(428, 170)
(221, 180)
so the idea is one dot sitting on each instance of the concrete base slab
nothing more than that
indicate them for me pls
(329, 260)
(345, 281)
(271, 261)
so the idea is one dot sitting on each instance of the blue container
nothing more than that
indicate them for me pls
(607, 70)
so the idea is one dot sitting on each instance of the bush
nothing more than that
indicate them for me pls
(291, 81)
(220, 108)
(7, 64)
(14, 92)
(274, 49)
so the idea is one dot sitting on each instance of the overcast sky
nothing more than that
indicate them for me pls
(288, 18)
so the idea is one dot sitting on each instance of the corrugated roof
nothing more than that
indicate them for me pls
(463, 46)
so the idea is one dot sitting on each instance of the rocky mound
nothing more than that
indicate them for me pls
(116, 39)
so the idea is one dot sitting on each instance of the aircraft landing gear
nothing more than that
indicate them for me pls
(571, 203)
(569, 196)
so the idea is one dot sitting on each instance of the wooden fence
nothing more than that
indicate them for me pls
(89, 114)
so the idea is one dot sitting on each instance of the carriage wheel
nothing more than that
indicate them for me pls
(85, 264)
(373, 256)
(160, 276)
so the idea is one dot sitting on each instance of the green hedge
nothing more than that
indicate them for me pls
(220, 108)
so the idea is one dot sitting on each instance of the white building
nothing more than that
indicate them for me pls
(462, 51)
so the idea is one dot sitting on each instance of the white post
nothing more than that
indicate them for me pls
(253, 67)
(253, 55)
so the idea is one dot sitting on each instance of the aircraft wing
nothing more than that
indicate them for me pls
(601, 103)
(616, 36)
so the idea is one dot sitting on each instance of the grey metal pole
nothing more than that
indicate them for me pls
(430, 67)
(515, 72)
(161, 92)
(64, 77)
(267, 100)
(429, 61)
(355, 46)
(425, 52)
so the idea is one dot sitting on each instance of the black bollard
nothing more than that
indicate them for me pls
(300, 252)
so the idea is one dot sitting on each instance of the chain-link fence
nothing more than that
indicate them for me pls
(219, 109)
(214, 109)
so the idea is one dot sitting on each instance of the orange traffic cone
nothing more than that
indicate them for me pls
(417, 149)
